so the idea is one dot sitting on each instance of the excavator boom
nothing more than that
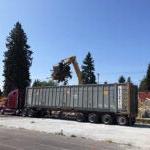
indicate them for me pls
(72, 60)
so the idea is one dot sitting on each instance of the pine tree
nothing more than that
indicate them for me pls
(148, 78)
(129, 80)
(38, 83)
(145, 83)
(17, 61)
(121, 79)
(88, 69)
(1, 93)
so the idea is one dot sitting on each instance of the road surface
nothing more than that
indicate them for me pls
(137, 136)
(20, 139)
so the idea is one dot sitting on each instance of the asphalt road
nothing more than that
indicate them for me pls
(20, 139)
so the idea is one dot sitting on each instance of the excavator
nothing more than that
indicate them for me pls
(68, 61)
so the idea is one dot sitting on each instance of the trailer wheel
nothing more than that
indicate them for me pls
(30, 113)
(93, 118)
(24, 113)
(107, 119)
(80, 117)
(122, 120)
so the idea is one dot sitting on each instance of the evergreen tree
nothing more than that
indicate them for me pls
(88, 69)
(148, 78)
(129, 80)
(121, 79)
(145, 83)
(17, 61)
(1, 93)
(38, 83)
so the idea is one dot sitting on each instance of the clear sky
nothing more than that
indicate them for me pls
(116, 32)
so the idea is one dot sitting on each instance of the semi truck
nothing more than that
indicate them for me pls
(106, 103)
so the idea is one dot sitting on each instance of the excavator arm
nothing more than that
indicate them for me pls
(72, 60)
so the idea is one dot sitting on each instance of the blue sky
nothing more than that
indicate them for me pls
(116, 32)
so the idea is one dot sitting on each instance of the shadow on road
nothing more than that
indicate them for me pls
(141, 126)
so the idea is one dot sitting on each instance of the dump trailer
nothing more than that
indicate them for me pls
(108, 103)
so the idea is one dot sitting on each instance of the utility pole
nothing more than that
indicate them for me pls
(98, 78)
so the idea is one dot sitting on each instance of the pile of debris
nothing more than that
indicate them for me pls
(2, 102)
(144, 109)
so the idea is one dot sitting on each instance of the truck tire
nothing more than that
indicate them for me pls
(93, 118)
(122, 120)
(80, 117)
(30, 113)
(24, 113)
(107, 119)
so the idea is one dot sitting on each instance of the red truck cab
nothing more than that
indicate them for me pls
(11, 104)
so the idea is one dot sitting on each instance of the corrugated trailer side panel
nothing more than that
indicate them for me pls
(79, 97)
(71, 97)
(61, 97)
(111, 97)
(106, 97)
(29, 97)
(47, 96)
(57, 96)
(35, 96)
(95, 97)
(86, 98)
(90, 97)
(100, 97)
(68, 97)
(39, 96)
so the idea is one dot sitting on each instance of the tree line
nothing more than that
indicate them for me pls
(144, 84)
(18, 60)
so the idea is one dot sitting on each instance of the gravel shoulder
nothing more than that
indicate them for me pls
(137, 136)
